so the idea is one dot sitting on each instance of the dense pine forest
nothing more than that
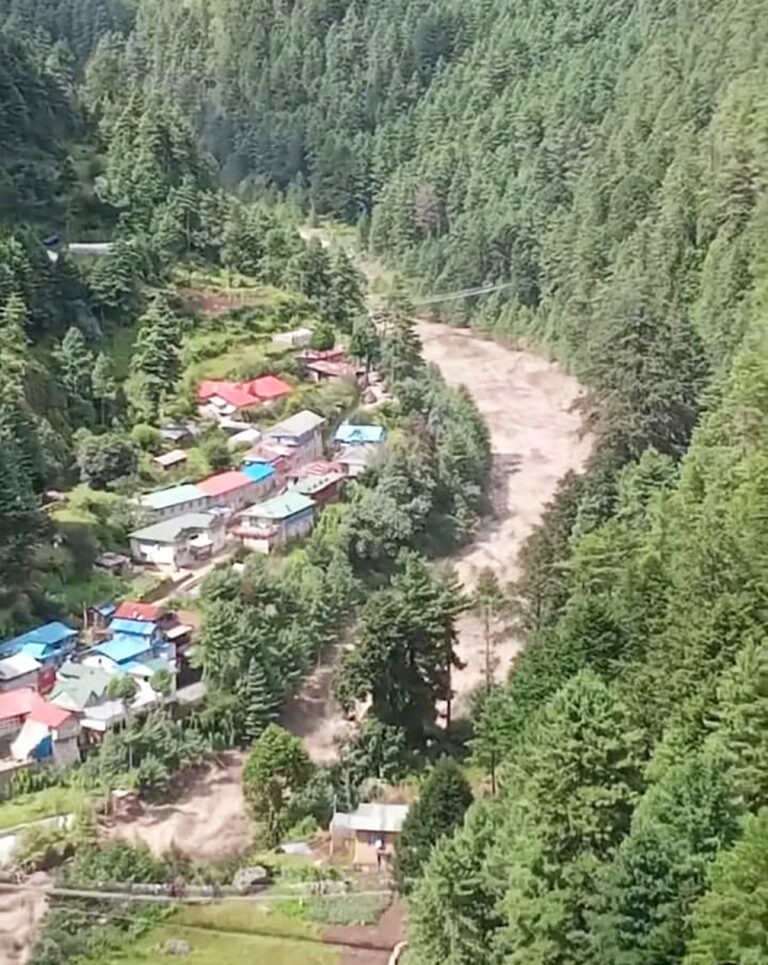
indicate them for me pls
(603, 168)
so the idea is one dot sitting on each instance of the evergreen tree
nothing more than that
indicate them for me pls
(444, 798)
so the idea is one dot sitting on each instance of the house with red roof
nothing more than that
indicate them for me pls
(32, 728)
(221, 398)
(231, 490)
(130, 610)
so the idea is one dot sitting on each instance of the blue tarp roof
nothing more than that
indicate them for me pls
(53, 634)
(258, 471)
(37, 651)
(137, 628)
(106, 609)
(349, 433)
(123, 647)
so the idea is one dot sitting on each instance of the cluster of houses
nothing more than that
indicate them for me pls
(269, 501)
(55, 696)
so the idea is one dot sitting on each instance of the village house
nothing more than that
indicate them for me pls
(178, 434)
(50, 643)
(182, 541)
(354, 460)
(263, 478)
(220, 398)
(83, 690)
(322, 481)
(232, 490)
(374, 830)
(148, 612)
(326, 371)
(277, 521)
(301, 433)
(170, 460)
(166, 503)
(351, 434)
(34, 729)
(335, 354)
(19, 670)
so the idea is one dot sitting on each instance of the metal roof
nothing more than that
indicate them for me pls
(349, 433)
(169, 530)
(17, 666)
(297, 425)
(281, 507)
(224, 482)
(50, 634)
(373, 817)
(258, 471)
(136, 628)
(165, 498)
(122, 647)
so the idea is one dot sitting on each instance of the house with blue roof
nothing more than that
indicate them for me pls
(349, 434)
(145, 629)
(50, 643)
(263, 477)
(119, 650)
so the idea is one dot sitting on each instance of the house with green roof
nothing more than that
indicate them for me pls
(276, 521)
(173, 501)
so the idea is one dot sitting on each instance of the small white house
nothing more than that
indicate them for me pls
(19, 670)
(165, 503)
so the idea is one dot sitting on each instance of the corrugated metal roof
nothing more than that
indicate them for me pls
(122, 647)
(297, 425)
(281, 507)
(349, 433)
(135, 628)
(26, 702)
(131, 610)
(168, 530)
(173, 496)
(224, 482)
(258, 471)
(49, 633)
(372, 817)
(17, 666)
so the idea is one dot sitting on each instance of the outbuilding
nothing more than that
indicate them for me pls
(374, 828)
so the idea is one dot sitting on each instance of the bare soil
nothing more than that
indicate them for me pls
(21, 912)
(535, 413)
(369, 944)
(207, 821)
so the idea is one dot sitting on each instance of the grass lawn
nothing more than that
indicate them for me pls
(40, 804)
(233, 933)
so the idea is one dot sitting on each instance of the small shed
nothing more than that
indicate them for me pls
(168, 460)
(374, 828)
(296, 338)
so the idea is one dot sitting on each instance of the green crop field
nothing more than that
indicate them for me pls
(231, 934)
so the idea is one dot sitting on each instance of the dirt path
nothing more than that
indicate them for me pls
(207, 822)
(537, 436)
(374, 942)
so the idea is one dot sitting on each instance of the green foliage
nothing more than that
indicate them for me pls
(444, 797)
(405, 651)
(122, 687)
(104, 459)
(323, 337)
(728, 922)
(276, 771)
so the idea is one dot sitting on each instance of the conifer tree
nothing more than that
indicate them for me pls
(444, 798)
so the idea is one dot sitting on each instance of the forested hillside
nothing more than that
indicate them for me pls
(604, 167)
